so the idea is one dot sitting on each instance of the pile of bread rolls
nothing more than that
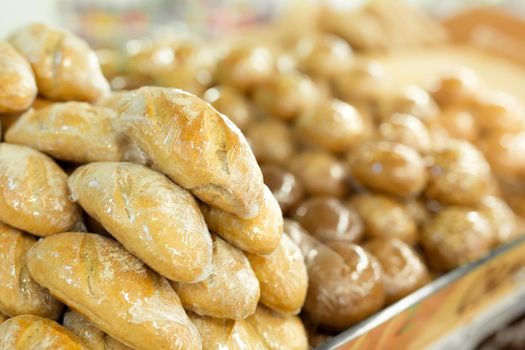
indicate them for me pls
(135, 220)
(382, 188)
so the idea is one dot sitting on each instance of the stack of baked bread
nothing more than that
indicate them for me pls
(143, 214)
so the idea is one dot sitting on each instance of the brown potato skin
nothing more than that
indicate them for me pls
(260, 235)
(65, 67)
(113, 289)
(278, 331)
(19, 293)
(389, 167)
(18, 88)
(456, 236)
(195, 146)
(282, 276)
(459, 175)
(271, 141)
(35, 332)
(284, 185)
(328, 219)
(334, 125)
(403, 269)
(384, 217)
(33, 192)
(231, 291)
(320, 173)
(338, 295)
(91, 336)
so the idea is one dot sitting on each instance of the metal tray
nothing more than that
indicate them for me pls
(454, 311)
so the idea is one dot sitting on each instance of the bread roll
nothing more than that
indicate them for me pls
(18, 89)
(35, 332)
(220, 334)
(231, 291)
(70, 131)
(156, 220)
(65, 67)
(282, 276)
(116, 291)
(403, 269)
(2, 318)
(501, 217)
(285, 186)
(408, 130)
(344, 281)
(384, 217)
(19, 293)
(33, 192)
(92, 337)
(278, 331)
(195, 146)
(260, 235)
(271, 141)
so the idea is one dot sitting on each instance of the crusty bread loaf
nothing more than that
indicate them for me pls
(35, 332)
(156, 220)
(259, 235)
(282, 277)
(65, 67)
(70, 131)
(113, 289)
(33, 192)
(219, 334)
(231, 291)
(196, 146)
(18, 88)
(2, 318)
(19, 293)
(278, 331)
(92, 337)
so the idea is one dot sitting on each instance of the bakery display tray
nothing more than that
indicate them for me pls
(457, 309)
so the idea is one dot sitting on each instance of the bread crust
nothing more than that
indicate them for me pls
(113, 289)
(156, 220)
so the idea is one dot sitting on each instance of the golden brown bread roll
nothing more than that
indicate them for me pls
(156, 220)
(282, 277)
(195, 146)
(230, 102)
(324, 56)
(2, 318)
(92, 337)
(321, 173)
(498, 112)
(271, 141)
(335, 126)
(285, 186)
(219, 334)
(116, 291)
(33, 192)
(345, 282)
(287, 95)
(403, 269)
(70, 131)
(278, 331)
(383, 217)
(231, 291)
(65, 67)
(8, 120)
(506, 155)
(362, 83)
(455, 236)
(260, 235)
(457, 88)
(328, 219)
(35, 332)
(389, 167)
(411, 100)
(19, 293)
(408, 130)
(459, 174)
(459, 123)
(18, 89)
(245, 66)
